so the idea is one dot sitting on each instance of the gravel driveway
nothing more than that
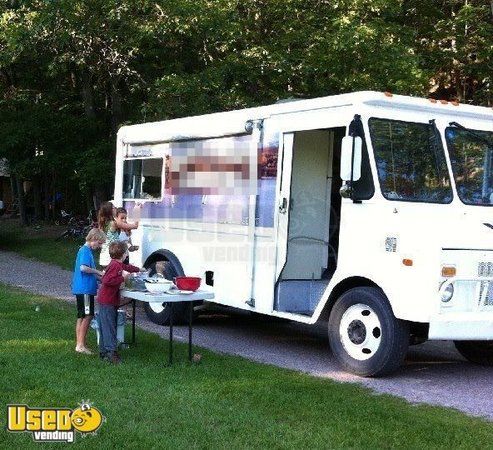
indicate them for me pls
(433, 373)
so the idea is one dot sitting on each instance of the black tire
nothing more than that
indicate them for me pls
(159, 314)
(86, 229)
(364, 335)
(65, 234)
(80, 232)
(478, 352)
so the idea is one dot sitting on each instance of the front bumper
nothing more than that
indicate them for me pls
(462, 326)
(468, 316)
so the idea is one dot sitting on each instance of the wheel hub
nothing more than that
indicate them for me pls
(357, 332)
(360, 332)
(156, 307)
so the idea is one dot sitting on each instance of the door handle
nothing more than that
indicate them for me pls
(283, 206)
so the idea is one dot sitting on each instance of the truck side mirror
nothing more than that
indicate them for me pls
(351, 157)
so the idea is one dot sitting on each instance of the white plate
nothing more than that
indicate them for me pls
(178, 292)
(157, 280)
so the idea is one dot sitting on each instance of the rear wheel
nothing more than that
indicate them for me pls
(160, 314)
(364, 334)
(479, 352)
(65, 234)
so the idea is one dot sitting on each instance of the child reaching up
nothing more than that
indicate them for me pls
(109, 299)
(112, 225)
(124, 227)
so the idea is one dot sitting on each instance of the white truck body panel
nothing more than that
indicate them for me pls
(247, 255)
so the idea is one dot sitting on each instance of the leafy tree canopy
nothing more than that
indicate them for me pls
(73, 71)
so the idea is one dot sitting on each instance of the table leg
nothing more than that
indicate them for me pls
(132, 341)
(133, 321)
(170, 305)
(190, 319)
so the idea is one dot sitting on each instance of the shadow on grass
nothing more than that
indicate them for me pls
(223, 402)
(39, 242)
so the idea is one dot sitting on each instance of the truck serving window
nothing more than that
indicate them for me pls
(472, 160)
(410, 161)
(142, 178)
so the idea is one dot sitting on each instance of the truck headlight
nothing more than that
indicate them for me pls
(448, 293)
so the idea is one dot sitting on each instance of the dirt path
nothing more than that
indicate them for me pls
(434, 372)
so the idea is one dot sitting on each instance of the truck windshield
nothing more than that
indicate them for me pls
(471, 158)
(410, 161)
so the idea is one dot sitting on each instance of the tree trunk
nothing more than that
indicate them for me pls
(13, 189)
(89, 206)
(37, 197)
(46, 192)
(116, 106)
(20, 198)
(88, 96)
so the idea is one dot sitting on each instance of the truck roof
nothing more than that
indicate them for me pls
(233, 122)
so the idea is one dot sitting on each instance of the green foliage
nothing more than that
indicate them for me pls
(455, 42)
(269, 50)
(73, 71)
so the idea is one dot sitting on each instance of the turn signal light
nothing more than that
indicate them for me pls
(448, 271)
(407, 262)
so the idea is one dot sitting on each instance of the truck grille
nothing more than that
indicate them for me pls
(485, 269)
(486, 294)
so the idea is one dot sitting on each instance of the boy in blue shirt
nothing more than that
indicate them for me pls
(84, 286)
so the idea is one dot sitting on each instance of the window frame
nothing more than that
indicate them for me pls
(452, 165)
(445, 153)
(357, 128)
(142, 200)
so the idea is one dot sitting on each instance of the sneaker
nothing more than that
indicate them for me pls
(115, 359)
(133, 248)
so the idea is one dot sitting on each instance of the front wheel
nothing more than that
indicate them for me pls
(364, 335)
(160, 314)
(479, 352)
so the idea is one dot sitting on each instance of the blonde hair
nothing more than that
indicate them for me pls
(95, 235)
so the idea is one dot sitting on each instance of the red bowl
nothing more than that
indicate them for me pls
(187, 283)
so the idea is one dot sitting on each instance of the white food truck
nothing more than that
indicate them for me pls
(368, 211)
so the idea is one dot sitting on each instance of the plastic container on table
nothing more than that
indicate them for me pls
(120, 326)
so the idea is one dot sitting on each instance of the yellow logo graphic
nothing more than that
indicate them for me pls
(86, 419)
(54, 424)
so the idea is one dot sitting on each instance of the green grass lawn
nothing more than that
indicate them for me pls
(222, 402)
(38, 242)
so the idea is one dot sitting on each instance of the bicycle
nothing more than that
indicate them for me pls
(77, 227)
(65, 218)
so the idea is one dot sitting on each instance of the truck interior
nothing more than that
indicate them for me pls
(314, 220)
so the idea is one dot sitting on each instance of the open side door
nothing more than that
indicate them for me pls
(284, 199)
